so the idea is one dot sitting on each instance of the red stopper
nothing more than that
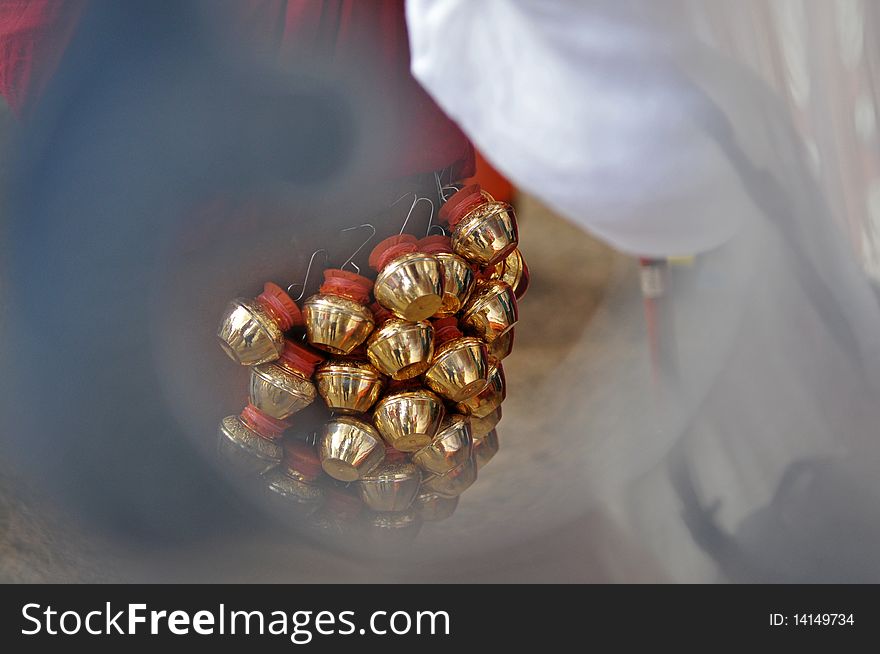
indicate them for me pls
(380, 313)
(436, 244)
(301, 457)
(484, 274)
(347, 284)
(265, 425)
(395, 456)
(398, 385)
(359, 353)
(342, 504)
(391, 248)
(280, 306)
(446, 329)
(456, 207)
(299, 358)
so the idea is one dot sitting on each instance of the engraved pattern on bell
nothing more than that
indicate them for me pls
(460, 369)
(402, 349)
(433, 507)
(482, 426)
(487, 234)
(349, 386)
(392, 528)
(245, 449)
(458, 282)
(408, 420)
(290, 493)
(336, 324)
(392, 486)
(491, 312)
(490, 398)
(454, 482)
(248, 334)
(485, 448)
(350, 448)
(450, 448)
(279, 392)
(411, 286)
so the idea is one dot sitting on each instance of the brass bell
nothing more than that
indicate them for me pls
(454, 482)
(393, 485)
(399, 348)
(409, 283)
(450, 448)
(502, 346)
(337, 319)
(490, 398)
(514, 272)
(485, 448)
(408, 419)
(482, 426)
(491, 312)
(349, 386)
(460, 368)
(283, 387)
(458, 276)
(484, 230)
(252, 330)
(350, 448)
(387, 529)
(291, 485)
(433, 507)
(250, 441)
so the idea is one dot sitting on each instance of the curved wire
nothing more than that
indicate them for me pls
(308, 271)
(360, 247)
(415, 202)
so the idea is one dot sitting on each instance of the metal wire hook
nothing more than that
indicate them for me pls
(308, 270)
(360, 247)
(412, 208)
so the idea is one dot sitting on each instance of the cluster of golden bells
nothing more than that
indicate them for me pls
(413, 381)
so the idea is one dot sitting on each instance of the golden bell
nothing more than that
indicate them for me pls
(450, 448)
(484, 230)
(491, 312)
(252, 331)
(502, 346)
(482, 426)
(350, 448)
(490, 398)
(392, 486)
(514, 272)
(283, 387)
(458, 276)
(409, 283)
(349, 386)
(408, 419)
(401, 349)
(291, 485)
(433, 507)
(454, 482)
(336, 318)
(460, 368)
(250, 441)
(485, 448)
(392, 529)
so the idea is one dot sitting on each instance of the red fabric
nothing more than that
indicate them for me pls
(368, 37)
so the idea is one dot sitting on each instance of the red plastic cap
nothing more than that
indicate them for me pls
(343, 504)
(400, 385)
(380, 313)
(395, 456)
(455, 208)
(265, 425)
(436, 244)
(446, 329)
(347, 284)
(299, 358)
(483, 274)
(391, 248)
(280, 306)
(303, 458)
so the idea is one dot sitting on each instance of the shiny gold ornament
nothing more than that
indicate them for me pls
(349, 386)
(336, 318)
(252, 330)
(458, 276)
(502, 346)
(450, 448)
(350, 448)
(291, 485)
(491, 312)
(283, 387)
(409, 283)
(460, 367)
(408, 419)
(250, 441)
(490, 398)
(454, 482)
(514, 272)
(433, 507)
(392, 529)
(392, 486)
(485, 448)
(401, 349)
(484, 230)
(482, 426)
